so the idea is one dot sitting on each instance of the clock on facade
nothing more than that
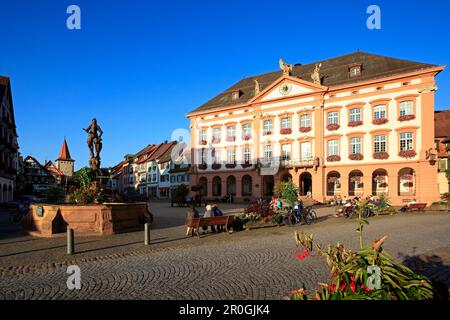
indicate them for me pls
(285, 88)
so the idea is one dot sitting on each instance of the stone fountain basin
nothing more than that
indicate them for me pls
(47, 220)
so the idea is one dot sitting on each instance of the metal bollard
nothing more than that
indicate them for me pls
(70, 242)
(147, 234)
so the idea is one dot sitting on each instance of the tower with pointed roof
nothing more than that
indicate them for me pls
(64, 162)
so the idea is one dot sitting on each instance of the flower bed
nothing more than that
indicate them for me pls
(356, 156)
(333, 158)
(380, 121)
(305, 129)
(381, 155)
(407, 154)
(355, 123)
(333, 127)
(406, 117)
(286, 131)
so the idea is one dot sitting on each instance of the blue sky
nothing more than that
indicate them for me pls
(139, 66)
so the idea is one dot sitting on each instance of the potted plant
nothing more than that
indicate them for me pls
(381, 155)
(407, 153)
(380, 121)
(332, 127)
(406, 117)
(355, 123)
(356, 156)
(286, 131)
(305, 129)
(333, 158)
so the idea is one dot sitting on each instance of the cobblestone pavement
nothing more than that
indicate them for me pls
(256, 264)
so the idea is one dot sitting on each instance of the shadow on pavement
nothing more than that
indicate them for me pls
(115, 246)
(42, 249)
(433, 267)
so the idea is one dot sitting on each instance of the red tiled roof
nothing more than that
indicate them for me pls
(64, 153)
(442, 124)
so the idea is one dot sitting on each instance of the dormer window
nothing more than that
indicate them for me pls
(235, 95)
(355, 70)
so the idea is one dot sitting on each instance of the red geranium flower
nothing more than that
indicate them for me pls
(342, 287)
(300, 256)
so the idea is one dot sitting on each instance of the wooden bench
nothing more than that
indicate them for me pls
(196, 223)
(416, 206)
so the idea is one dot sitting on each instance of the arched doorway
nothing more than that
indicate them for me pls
(217, 187)
(268, 183)
(287, 177)
(305, 183)
(406, 182)
(355, 183)
(246, 185)
(231, 185)
(203, 183)
(380, 182)
(333, 183)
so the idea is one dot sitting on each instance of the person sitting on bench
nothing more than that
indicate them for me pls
(217, 213)
(191, 214)
(209, 214)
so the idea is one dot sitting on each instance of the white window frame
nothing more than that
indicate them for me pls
(305, 121)
(247, 153)
(303, 150)
(380, 112)
(379, 143)
(203, 135)
(355, 114)
(216, 133)
(333, 147)
(231, 131)
(406, 141)
(247, 129)
(286, 151)
(231, 156)
(355, 145)
(267, 126)
(333, 117)
(406, 108)
(268, 154)
(286, 123)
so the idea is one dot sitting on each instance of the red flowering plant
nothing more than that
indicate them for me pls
(356, 156)
(332, 127)
(88, 192)
(202, 166)
(367, 274)
(247, 137)
(286, 131)
(215, 141)
(355, 123)
(305, 129)
(406, 117)
(216, 166)
(333, 158)
(407, 154)
(203, 142)
(381, 155)
(380, 121)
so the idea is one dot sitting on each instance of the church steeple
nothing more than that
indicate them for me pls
(64, 153)
(64, 162)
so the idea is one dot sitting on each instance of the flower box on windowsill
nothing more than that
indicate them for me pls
(215, 141)
(230, 165)
(381, 155)
(333, 158)
(231, 139)
(407, 154)
(202, 166)
(246, 165)
(247, 137)
(203, 142)
(305, 129)
(332, 127)
(286, 131)
(380, 121)
(267, 133)
(216, 166)
(356, 156)
(355, 123)
(406, 117)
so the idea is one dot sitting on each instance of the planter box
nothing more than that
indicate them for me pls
(440, 207)
(102, 219)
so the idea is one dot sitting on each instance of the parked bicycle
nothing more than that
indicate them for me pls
(18, 212)
(307, 215)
